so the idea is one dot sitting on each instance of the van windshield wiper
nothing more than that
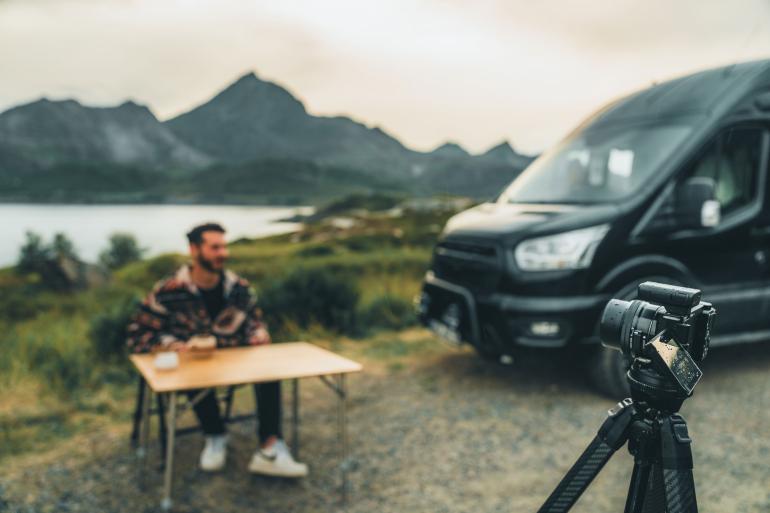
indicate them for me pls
(558, 202)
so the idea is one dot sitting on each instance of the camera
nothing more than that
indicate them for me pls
(665, 331)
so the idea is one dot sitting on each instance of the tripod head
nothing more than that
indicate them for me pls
(652, 392)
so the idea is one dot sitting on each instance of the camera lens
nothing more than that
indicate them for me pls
(611, 325)
(622, 318)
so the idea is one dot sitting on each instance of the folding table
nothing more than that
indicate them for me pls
(240, 366)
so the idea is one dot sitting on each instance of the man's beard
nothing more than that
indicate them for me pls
(209, 265)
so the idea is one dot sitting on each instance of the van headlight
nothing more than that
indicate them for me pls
(568, 250)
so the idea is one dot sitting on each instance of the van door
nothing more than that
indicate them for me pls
(730, 261)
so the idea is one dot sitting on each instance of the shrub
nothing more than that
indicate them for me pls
(316, 251)
(388, 312)
(108, 331)
(33, 255)
(62, 247)
(22, 302)
(123, 249)
(308, 296)
(141, 276)
(164, 265)
(56, 264)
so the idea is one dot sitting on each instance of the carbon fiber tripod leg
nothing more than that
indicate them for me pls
(637, 491)
(676, 458)
(612, 435)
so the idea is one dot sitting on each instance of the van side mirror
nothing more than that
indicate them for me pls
(696, 206)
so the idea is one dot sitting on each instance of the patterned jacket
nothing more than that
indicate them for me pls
(174, 311)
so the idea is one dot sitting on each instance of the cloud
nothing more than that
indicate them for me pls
(425, 70)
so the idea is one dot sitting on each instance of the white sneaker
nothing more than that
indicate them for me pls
(277, 461)
(214, 453)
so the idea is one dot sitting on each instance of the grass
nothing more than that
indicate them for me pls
(56, 381)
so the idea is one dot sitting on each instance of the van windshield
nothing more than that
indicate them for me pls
(596, 166)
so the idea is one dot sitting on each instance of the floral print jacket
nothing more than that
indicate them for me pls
(174, 311)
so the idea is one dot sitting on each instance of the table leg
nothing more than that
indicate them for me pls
(342, 433)
(295, 417)
(144, 433)
(166, 502)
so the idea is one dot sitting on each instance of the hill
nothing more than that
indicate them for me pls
(45, 134)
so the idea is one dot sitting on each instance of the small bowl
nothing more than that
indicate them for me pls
(202, 346)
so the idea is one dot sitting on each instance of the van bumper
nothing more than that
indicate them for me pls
(499, 322)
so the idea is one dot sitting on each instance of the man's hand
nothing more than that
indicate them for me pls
(260, 337)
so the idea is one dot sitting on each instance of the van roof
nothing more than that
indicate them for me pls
(710, 92)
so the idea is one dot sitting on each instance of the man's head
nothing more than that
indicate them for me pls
(208, 247)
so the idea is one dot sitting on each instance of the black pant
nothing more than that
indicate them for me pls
(268, 398)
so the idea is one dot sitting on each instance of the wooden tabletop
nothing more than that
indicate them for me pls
(241, 365)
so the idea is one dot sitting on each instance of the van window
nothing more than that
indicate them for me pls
(597, 166)
(732, 161)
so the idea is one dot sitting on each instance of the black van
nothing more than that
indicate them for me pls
(668, 184)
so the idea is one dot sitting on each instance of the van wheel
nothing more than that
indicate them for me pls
(490, 347)
(607, 372)
(484, 354)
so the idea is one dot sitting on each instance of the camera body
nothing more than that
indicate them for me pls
(666, 330)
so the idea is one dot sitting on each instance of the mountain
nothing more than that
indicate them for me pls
(44, 134)
(252, 142)
(450, 150)
(504, 153)
(256, 119)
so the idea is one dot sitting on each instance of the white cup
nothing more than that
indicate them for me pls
(168, 360)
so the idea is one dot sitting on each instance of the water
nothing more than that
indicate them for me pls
(159, 228)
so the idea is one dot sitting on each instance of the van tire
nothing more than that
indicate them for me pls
(490, 347)
(607, 372)
(490, 356)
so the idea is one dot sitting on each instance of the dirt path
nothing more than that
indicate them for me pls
(435, 430)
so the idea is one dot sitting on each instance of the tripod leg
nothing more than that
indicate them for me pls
(612, 435)
(680, 491)
(655, 497)
(637, 490)
(676, 458)
(577, 479)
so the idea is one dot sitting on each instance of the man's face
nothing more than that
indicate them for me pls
(212, 253)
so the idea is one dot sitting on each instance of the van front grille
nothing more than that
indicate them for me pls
(471, 264)
(469, 248)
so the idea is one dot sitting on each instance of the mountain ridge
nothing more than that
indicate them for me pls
(251, 120)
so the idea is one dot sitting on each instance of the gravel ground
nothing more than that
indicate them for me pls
(439, 431)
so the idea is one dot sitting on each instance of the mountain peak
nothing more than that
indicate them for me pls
(249, 76)
(47, 101)
(450, 149)
(504, 153)
(250, 88)
(502, 149)
(131, 105)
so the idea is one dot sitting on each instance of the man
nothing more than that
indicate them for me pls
(204, 298)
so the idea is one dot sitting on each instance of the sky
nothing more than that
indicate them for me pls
(426, 71)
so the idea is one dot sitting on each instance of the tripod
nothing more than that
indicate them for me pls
(662, 480)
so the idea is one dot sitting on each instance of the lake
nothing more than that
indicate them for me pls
(159, 228)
